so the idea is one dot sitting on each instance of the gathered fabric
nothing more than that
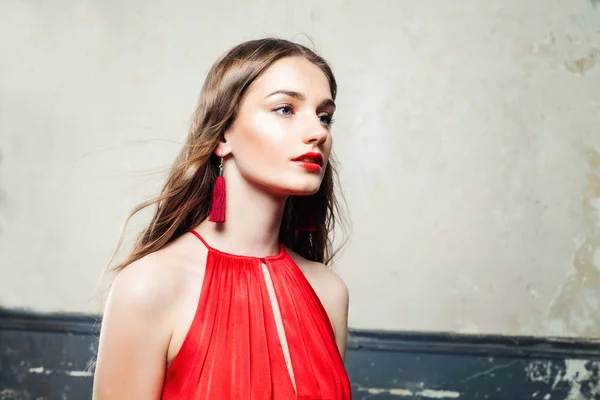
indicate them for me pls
(233, 349)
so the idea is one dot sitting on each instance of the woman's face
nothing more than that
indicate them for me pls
(281, 138)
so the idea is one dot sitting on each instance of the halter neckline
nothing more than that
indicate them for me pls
(281, 254)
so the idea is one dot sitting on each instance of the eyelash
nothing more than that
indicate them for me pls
(329, 117)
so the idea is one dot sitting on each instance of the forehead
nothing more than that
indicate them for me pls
(295, 74)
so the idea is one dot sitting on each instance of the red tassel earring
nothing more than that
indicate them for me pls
(217, 212)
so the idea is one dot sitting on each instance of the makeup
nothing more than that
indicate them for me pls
(311, 161)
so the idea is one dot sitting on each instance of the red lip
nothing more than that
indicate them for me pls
(310, 158)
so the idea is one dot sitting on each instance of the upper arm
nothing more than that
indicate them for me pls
(334, 295)
(339, 313)
(135, 334)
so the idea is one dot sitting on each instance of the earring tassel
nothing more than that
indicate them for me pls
(217, 212)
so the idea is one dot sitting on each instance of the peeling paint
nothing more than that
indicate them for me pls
(580, 66)
(570, 44)
(376, 391)
(581, 377)
(539, 371)
(79, 373)
(582, 374)
(39, 370)
(42, 370)
(439, 394)
(575, 309)
(393, 392)
(10, 394)
(427, 393)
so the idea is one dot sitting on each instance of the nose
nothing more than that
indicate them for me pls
(316, 133)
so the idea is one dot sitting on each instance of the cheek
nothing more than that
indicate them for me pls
(327, 147)
(263, 139)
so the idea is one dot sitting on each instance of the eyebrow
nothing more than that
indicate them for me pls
(300, 96)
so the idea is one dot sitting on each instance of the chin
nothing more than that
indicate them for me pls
(307, 190)
(304, 192)
(303, 186)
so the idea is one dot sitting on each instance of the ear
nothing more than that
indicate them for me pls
(223, 148)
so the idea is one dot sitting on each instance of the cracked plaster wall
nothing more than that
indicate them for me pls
(468, 133)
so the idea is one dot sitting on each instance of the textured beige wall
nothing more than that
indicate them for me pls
(468, 132)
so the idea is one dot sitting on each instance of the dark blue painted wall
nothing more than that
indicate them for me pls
(47, 356)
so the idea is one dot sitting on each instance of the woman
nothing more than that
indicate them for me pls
(226, 294)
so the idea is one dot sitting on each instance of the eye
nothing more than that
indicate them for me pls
(326, 119)
(285, 109)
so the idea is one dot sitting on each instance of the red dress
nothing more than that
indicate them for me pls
(232, 349)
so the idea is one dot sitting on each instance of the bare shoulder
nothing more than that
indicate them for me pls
(149, 284)
(143, 297)
(154, 282)
(136, 329)
(327, 283)
(140, 316)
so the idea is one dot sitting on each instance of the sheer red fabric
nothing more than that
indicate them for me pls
(233, 349)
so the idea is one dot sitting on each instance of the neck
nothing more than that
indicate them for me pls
(252, 220)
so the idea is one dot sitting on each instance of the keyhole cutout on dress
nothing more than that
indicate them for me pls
(279, 323)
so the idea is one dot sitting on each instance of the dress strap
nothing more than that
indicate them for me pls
(281, 254)
(201, 239)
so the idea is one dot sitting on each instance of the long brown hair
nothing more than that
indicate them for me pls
(185, 199)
